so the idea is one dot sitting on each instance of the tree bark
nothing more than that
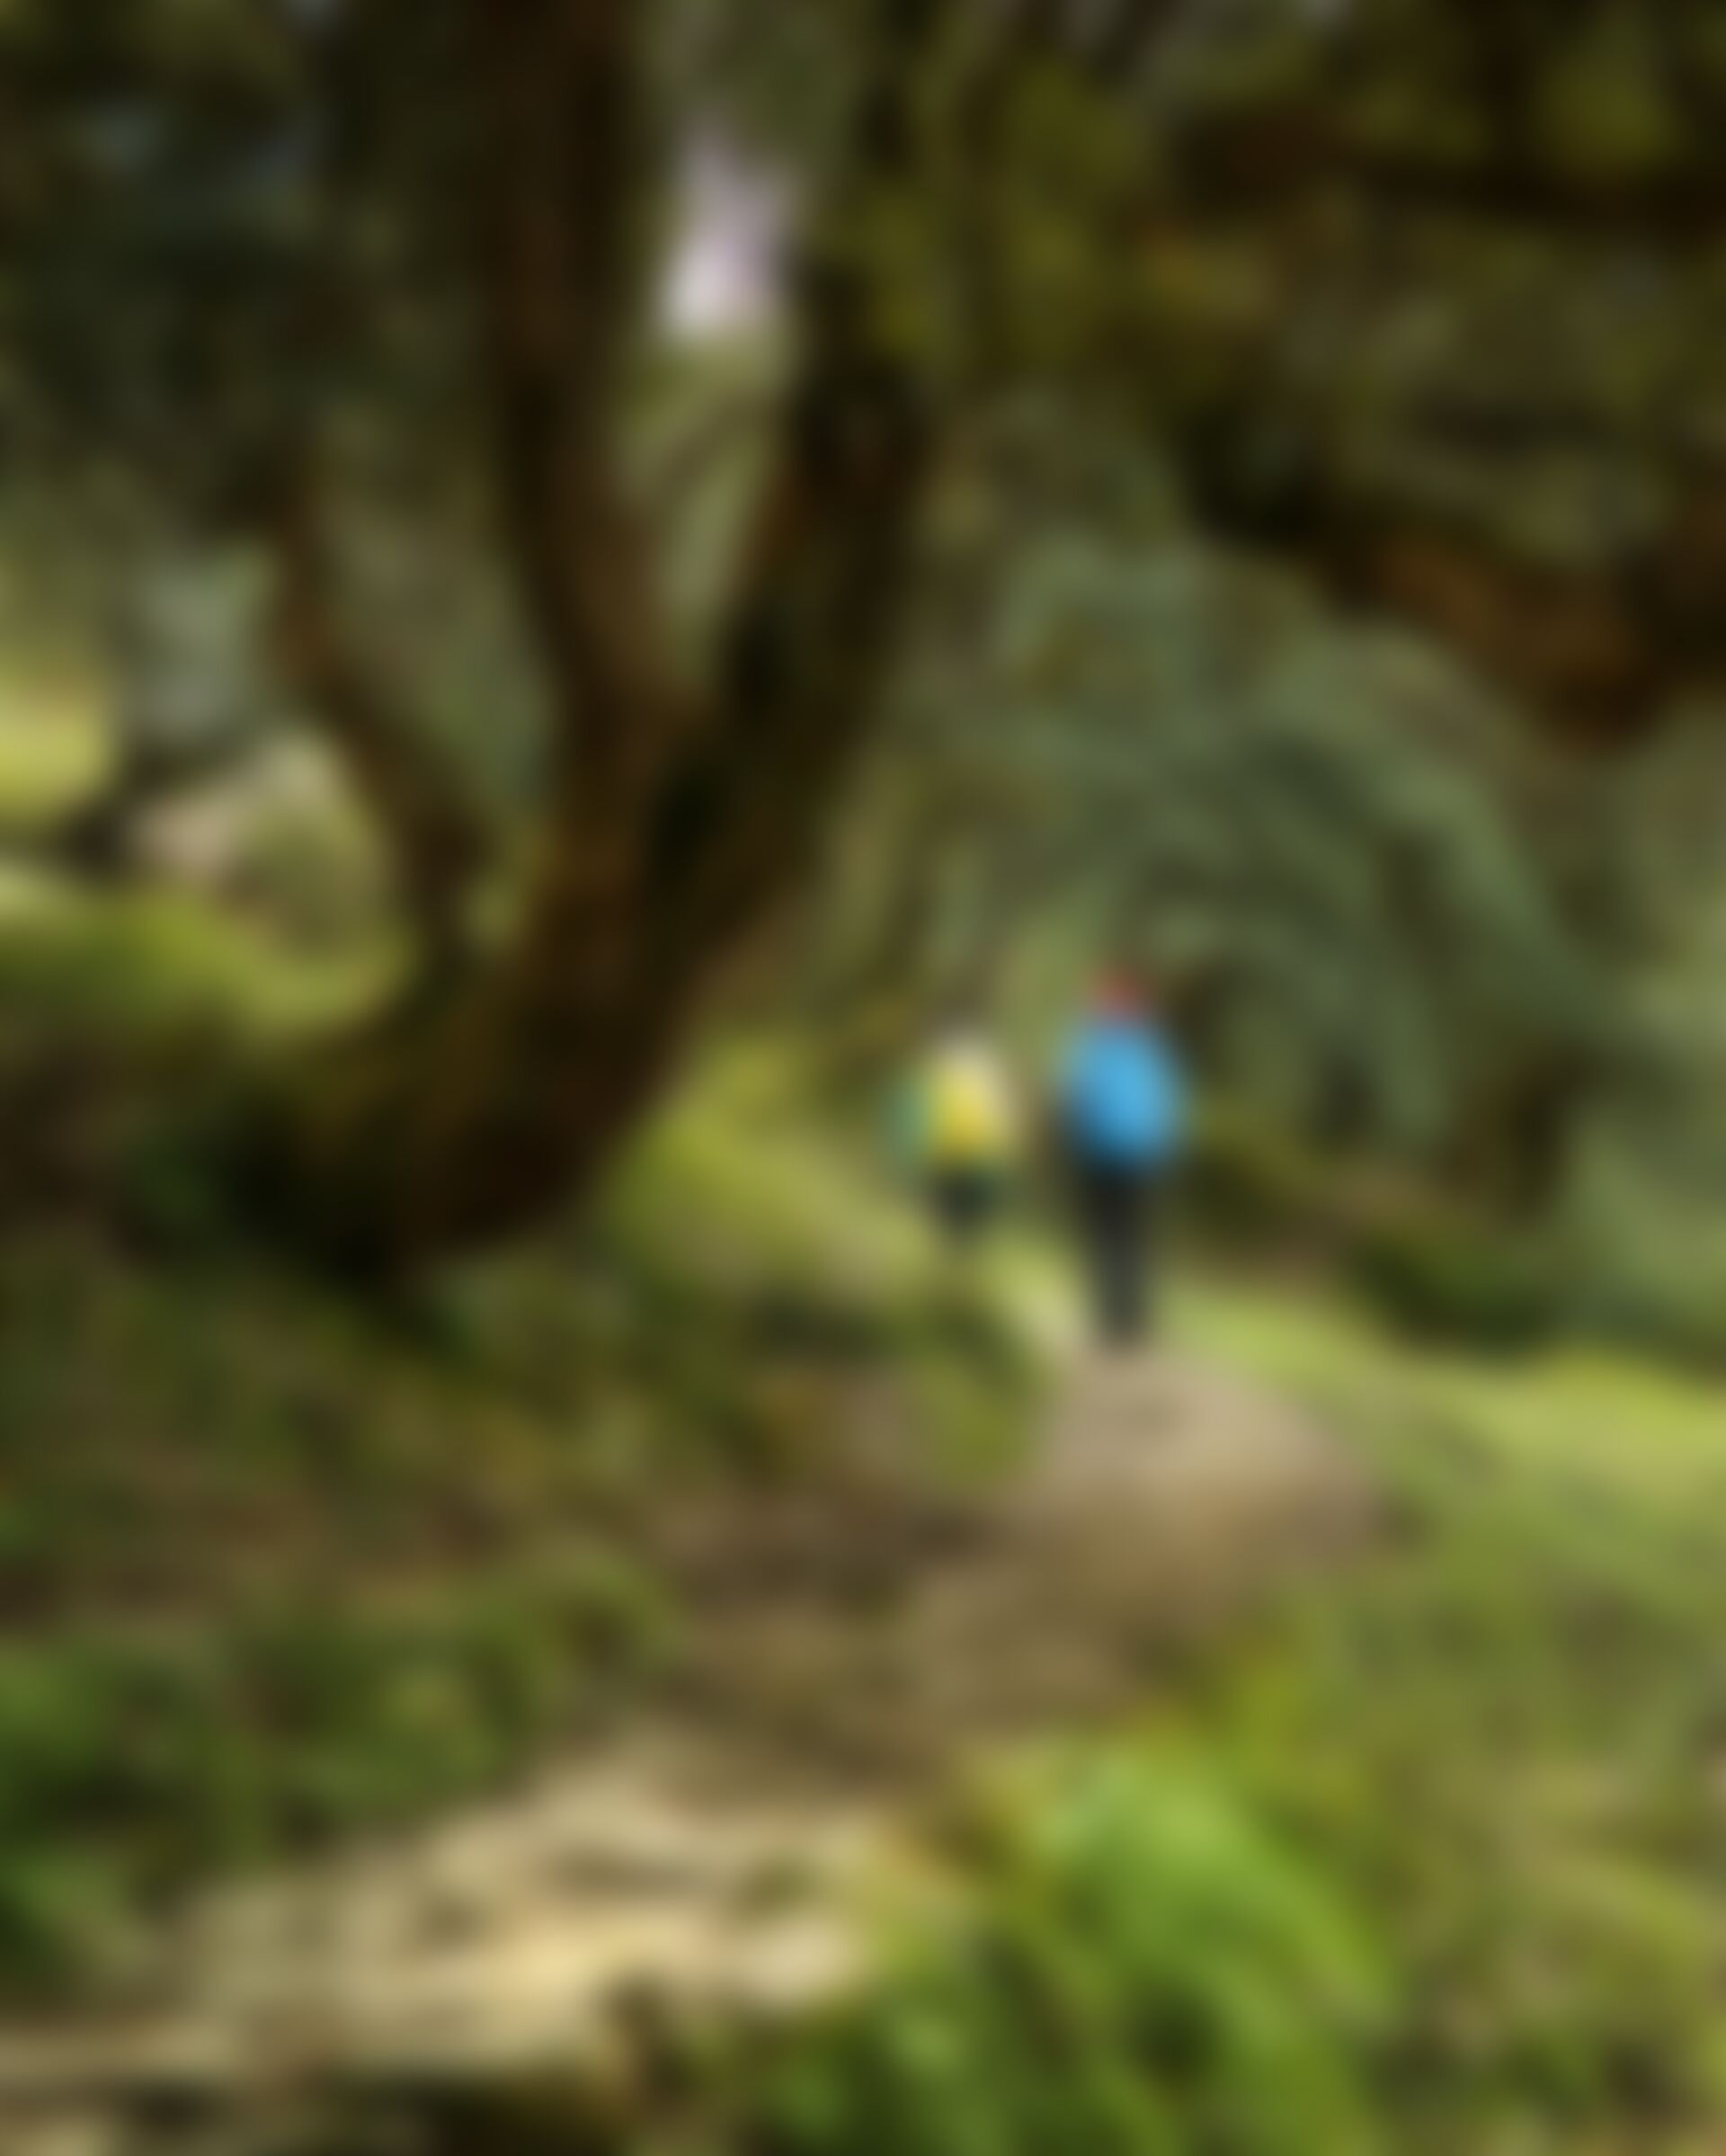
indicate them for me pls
(681, 816)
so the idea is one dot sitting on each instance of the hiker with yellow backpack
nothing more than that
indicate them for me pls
(964, 1133)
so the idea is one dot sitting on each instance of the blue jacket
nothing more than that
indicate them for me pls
(1123, 1096)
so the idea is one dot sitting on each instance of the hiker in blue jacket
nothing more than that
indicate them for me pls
(1122, 1114)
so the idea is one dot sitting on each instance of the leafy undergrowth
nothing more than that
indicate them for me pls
(1507, 1738)
(1139, 1967)
(1432, 1862)
(275, 1569)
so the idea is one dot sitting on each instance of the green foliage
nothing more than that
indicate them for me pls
(136, 1765)
(1138, 1970)
(1435, 1272)
(1476, 1285)
(1643, 1245)
(1640, 1222)
(1404, 947)
(1503, 1736)
(1322, 842)
(1341, 894)
(1627, 1259)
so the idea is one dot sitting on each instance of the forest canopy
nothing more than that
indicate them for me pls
(348, 323)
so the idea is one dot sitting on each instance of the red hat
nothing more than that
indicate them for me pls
(1116, 994)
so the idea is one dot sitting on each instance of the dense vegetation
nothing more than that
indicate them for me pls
(255, 341)
(499, 774)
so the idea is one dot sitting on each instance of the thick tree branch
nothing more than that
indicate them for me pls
(680, 822)
(1287, 153)
(560, 83)
(825, 578)
(1595, 649)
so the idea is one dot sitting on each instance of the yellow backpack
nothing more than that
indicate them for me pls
(969, 1118)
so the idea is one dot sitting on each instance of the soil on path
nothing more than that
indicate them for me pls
(849, 1655)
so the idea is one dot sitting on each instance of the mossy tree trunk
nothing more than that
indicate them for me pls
(680, 814)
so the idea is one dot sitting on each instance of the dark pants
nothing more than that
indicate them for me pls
(966, 1202)
(1116, 1209)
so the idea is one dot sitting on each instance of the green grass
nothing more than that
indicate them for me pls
(1501, 1741)
(1507, 1736)
(1652, 1436)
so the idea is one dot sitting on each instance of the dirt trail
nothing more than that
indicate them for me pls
(703, 1862)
